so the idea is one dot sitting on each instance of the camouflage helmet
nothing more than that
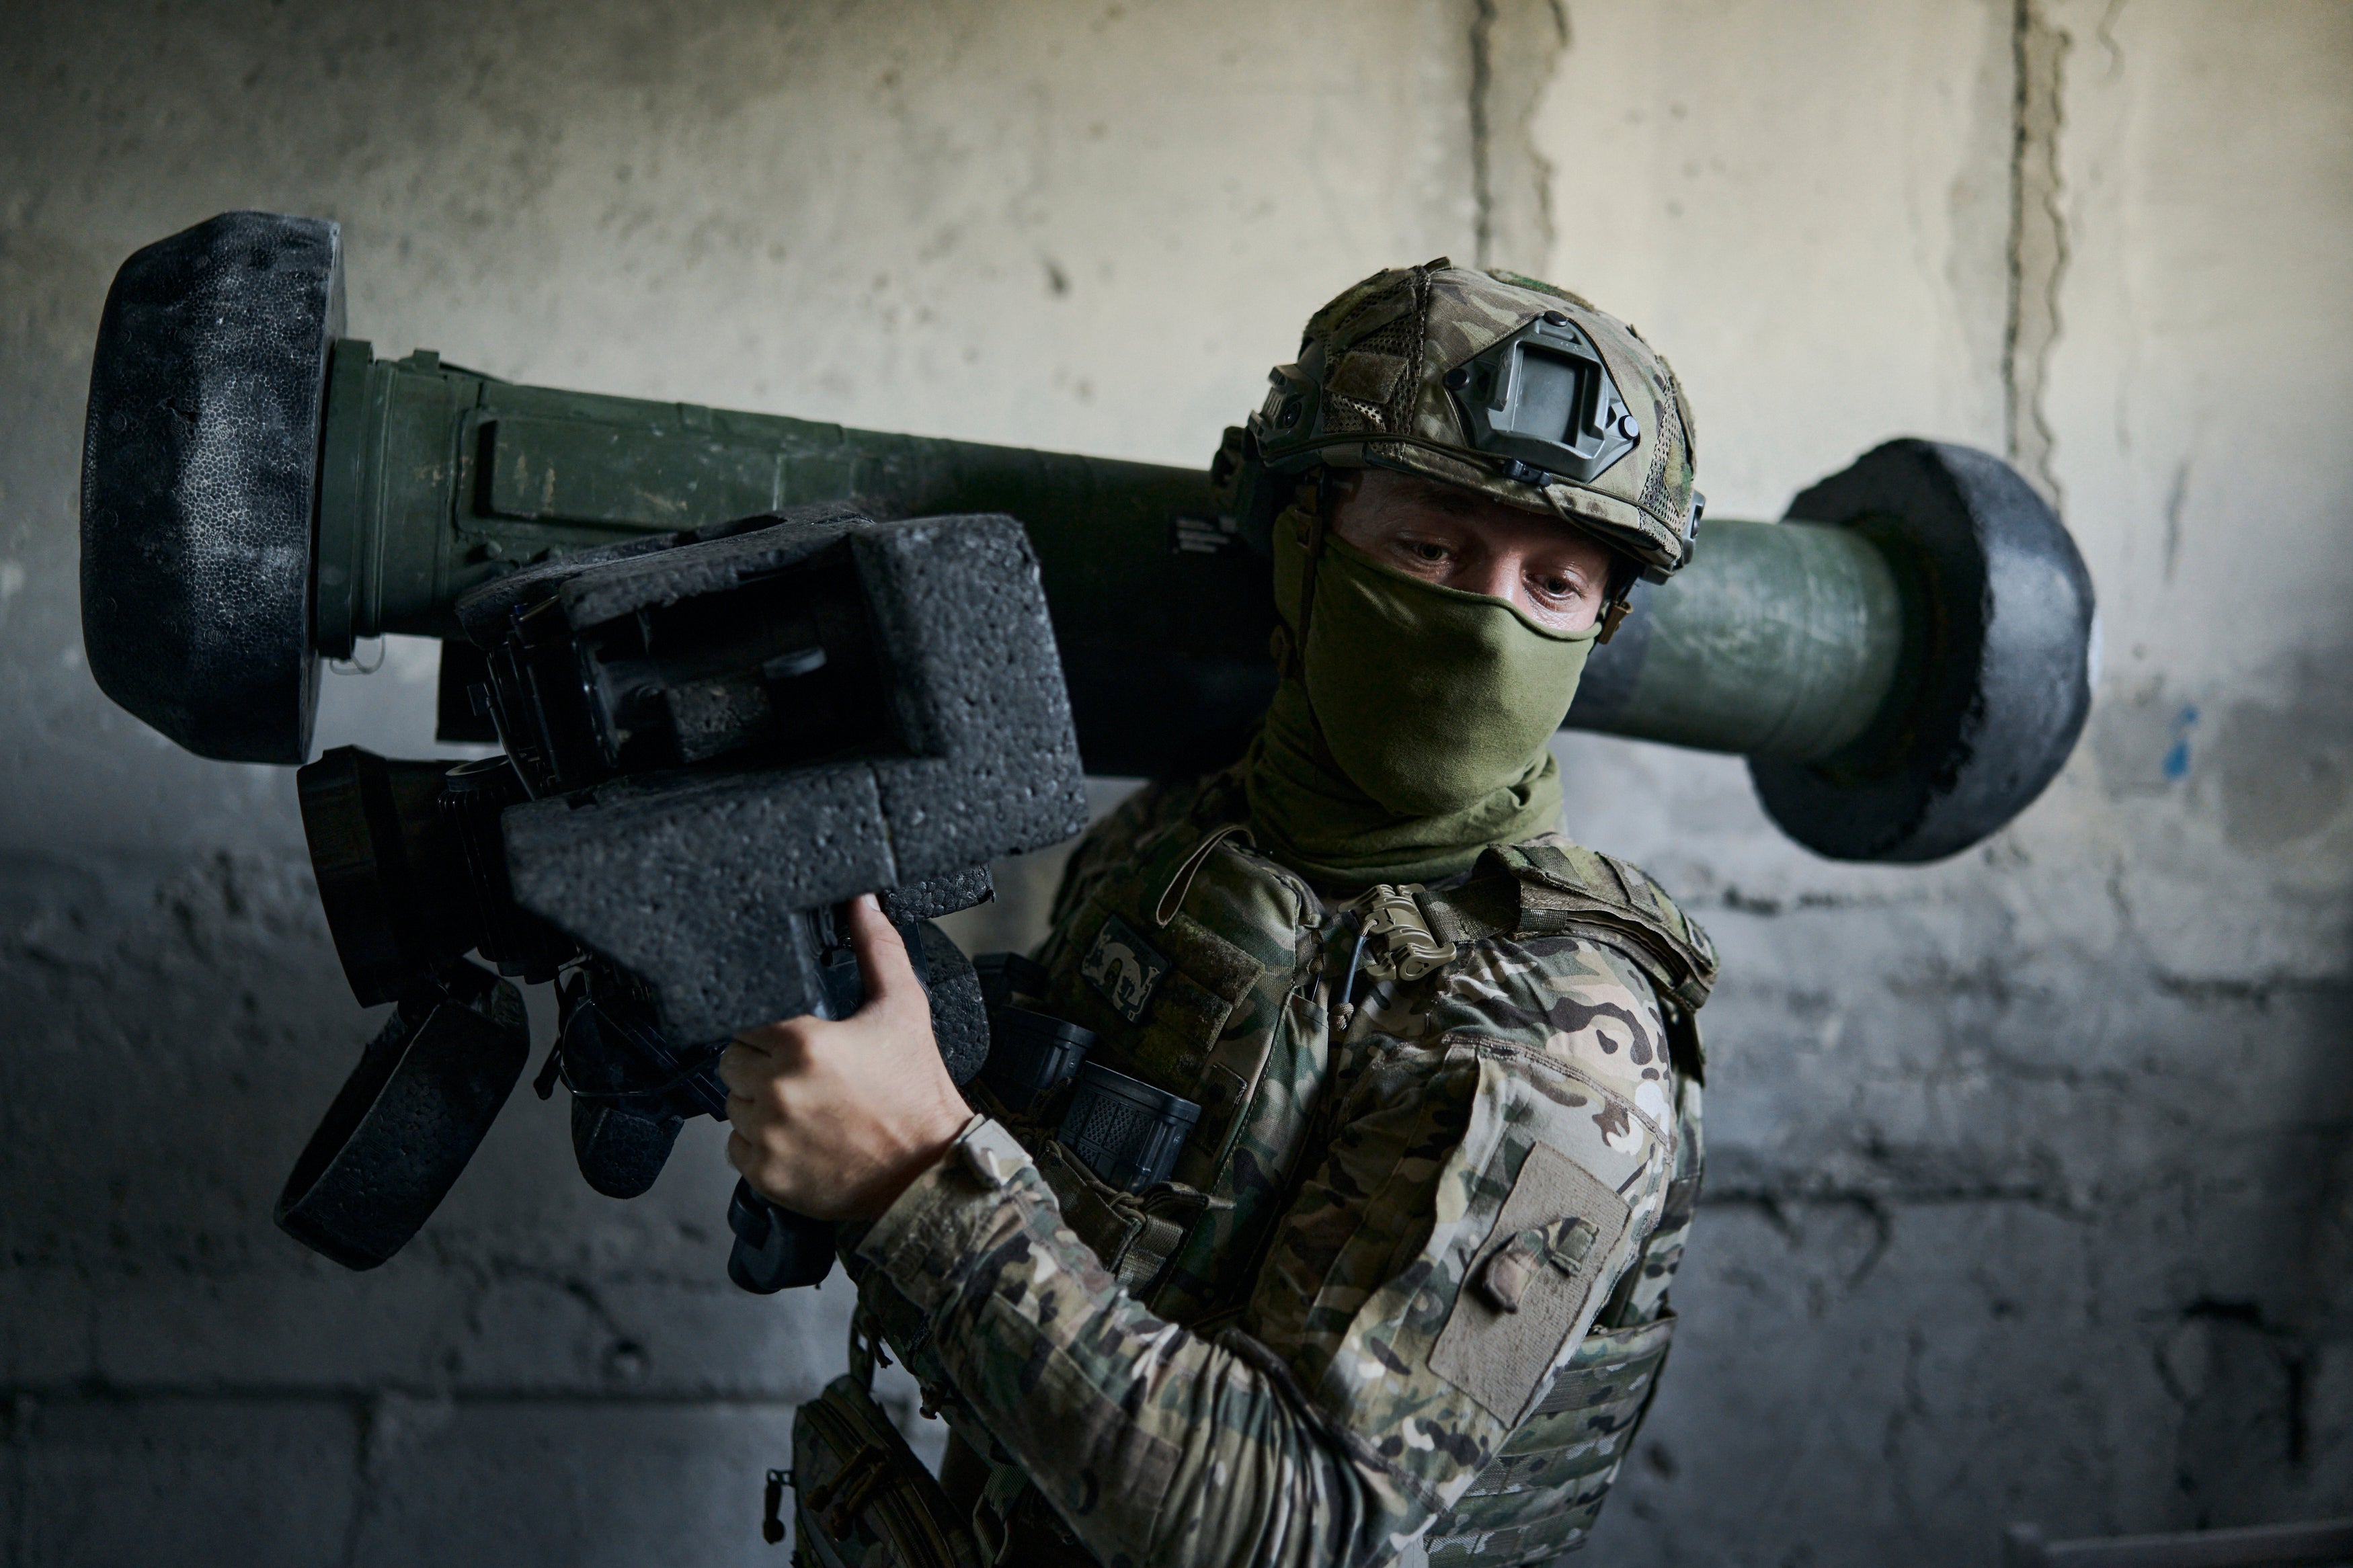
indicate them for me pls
(1492, 381)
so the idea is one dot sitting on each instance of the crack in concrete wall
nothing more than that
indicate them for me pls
(2037, 241)
(1516, 48)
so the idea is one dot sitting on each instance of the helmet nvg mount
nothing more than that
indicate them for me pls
(1542, 401)
(1490, 382)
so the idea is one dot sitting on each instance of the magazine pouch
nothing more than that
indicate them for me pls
(860, 1498)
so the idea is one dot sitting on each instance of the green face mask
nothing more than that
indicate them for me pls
(1419, 733)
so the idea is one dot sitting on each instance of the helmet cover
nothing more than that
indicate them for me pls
(1498, 383)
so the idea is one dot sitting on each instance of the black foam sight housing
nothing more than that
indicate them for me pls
(711, 743)
(773, 722)
(714, 737)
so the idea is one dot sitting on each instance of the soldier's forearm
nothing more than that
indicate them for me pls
(1150, 1442)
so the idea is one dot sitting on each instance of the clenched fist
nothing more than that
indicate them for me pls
(834, 1120)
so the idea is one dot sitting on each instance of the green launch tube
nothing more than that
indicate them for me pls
(1903, 659)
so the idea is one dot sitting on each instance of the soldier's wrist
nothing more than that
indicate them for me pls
(925, 1237)
(949, 1125)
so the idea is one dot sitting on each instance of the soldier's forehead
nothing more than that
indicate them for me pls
(1428, 491)
(1462, 501)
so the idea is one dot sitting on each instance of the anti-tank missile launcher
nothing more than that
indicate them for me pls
(1901, 660)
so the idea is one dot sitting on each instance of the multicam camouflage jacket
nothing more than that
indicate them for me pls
(1405, 1297)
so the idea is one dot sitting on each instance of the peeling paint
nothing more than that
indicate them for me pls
(2144, 739)
(2175, 765)
(2286, 770)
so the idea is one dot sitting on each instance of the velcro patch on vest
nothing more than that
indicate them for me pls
(1124, 967)
(1528, 1290)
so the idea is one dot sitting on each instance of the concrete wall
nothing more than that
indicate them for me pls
(2015, 1158)
(2018, 1160)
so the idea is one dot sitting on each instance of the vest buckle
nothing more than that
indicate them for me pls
(1398, 934)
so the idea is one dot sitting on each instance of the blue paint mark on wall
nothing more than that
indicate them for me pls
(2176, 758)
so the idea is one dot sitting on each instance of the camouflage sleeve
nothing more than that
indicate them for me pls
(1153, 1444)
(1477, 1201)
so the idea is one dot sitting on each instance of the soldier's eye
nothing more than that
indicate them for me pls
(1422, 550)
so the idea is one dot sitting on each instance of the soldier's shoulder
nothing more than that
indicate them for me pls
(1564, 889)
(1579, 961)
(1557, 857)
(1130, 831)
(1571, 999)
(1148, 811)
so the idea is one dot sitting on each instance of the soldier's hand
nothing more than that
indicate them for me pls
(834, 1120)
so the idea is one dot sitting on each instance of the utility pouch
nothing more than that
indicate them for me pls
(1031, 1055)
(1126, 1131)
(1537, 1499)
(1133, 1233)
(862, 1499)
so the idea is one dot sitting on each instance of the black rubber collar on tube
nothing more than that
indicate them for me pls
(200, 461)
(1995, 682)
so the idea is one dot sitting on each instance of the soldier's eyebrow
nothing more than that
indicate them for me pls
(1414, 488)
(1448, 500)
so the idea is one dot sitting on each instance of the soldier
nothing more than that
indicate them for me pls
(1402, 1297)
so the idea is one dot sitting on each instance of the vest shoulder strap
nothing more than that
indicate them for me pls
(1550, 887)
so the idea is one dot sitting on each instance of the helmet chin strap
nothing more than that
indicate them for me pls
(1614, 610)
(1618, 587)
(1316, 497)
(1289, 647)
